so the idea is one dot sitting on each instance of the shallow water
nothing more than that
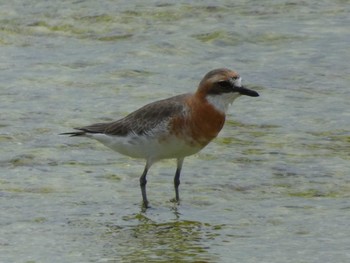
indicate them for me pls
(273, 187)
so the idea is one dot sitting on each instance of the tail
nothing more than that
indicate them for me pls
(94, 128)
(72, 134)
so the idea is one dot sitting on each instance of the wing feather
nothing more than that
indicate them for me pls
(143, 120)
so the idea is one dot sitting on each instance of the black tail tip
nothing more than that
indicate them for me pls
(73, 134)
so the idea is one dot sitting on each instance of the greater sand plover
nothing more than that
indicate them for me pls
(172, 128)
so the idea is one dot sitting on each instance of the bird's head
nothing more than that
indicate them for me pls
(221, 87)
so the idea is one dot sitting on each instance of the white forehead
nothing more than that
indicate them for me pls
(237, 82)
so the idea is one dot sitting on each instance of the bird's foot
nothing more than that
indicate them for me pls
(145, 204)
(175, 201)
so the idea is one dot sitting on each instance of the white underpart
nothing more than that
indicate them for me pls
(148, 146)
(222, 102)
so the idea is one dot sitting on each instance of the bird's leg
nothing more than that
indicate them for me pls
(143, 183)
(177, 179)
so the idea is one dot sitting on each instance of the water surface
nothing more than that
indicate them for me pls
(273, 187)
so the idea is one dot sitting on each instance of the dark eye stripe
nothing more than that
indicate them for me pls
(226, 84)
(220, 87)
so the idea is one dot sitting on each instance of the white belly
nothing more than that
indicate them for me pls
(148, 147)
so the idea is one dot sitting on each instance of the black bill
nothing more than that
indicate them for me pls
(247, 92)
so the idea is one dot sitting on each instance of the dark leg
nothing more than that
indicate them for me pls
(143, 183)
(177, 178)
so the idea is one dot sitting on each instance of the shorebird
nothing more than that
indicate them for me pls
(172, 128)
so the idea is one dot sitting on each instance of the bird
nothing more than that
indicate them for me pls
(171, 128)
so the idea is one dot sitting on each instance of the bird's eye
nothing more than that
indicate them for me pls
(225, 84)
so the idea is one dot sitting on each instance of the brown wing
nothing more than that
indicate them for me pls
(140, 121)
